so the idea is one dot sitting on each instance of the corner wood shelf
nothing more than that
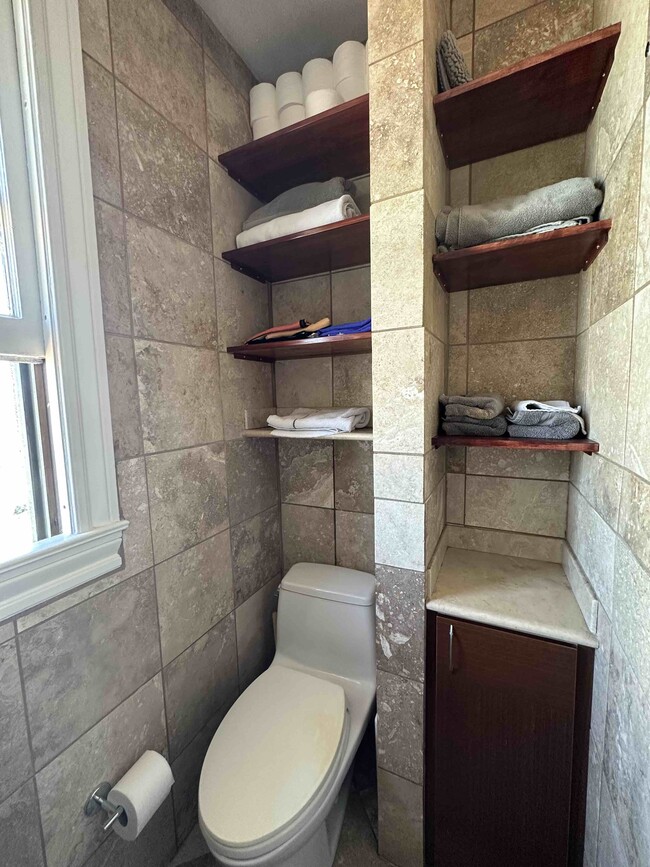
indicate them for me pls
(363, 434)
(345, 244)
(314, 347)
(531, 257)
(546, 97)
(332, 143)
(506, 442)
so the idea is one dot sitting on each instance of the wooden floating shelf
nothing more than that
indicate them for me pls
(345, 244)
(507, 442)
(363, 434)
(531, 257)
(314, 347)
(546, 97)
(332, 143)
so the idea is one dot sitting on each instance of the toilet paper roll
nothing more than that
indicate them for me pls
(317, 74)
(262, 101)
(291, 114)
(321, 100)
(351, 87)
(350, 59)
(288, 90)
(141, 791)
(265, 125)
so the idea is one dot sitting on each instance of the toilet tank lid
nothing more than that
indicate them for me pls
(331, 582)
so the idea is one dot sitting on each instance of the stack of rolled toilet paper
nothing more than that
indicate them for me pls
(264, 111)
(351, 70)
(289, 98)
(319, 86)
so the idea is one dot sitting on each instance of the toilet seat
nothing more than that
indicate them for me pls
(274, 754)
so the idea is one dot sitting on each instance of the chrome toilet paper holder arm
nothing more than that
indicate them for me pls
(98, 801)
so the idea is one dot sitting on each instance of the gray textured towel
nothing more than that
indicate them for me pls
(299, 199)
(468, 225)
(566, 430)
(544, 418)
(452, 69)
(471, 427)
(478, 406)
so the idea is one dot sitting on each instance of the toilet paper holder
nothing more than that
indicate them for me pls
(98, 800)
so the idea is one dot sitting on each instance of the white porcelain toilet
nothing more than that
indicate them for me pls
(275, 779)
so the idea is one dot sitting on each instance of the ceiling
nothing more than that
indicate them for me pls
(276, 36)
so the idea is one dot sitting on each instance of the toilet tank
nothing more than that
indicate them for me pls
(326, 619)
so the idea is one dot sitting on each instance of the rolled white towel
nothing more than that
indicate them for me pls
(323, 421)
(320, 215)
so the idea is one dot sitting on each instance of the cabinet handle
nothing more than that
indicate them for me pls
(451, 647)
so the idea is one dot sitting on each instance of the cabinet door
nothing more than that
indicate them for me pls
(503, 718)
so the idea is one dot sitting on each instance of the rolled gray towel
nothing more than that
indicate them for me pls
(299, 199)
(469, 225)
(567, 430)
(470, 427)
(452, 69)
(543, 418)
(475, 406)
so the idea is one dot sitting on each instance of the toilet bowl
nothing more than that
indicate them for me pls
(275, 779)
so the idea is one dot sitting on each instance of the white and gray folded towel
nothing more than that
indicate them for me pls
(299, 199)
(321, 215)
(319, 422)
(546, 418)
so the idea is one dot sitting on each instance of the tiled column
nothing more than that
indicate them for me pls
(408, 183)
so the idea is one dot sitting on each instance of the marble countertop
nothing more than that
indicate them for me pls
(529, 596)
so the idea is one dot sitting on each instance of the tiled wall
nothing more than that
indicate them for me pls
(518, 340)
(609, 500)
(409, 311)
(152, 656)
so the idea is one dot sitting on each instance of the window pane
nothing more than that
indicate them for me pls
(9, 305)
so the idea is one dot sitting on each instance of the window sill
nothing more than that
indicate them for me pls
(58, 565)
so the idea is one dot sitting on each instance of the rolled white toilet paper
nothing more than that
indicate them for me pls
(291, 114)
(321, 100)
(288, 90)
(317, 74)
(141, 791)
(262, 101)
(351, 87)
(265, 125)
(350, 59)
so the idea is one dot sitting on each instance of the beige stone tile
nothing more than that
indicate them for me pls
(123, 393)
(539, 369)
(584, 300)
(524, 170)
(399, 477)
(634, 522)
(353, 477)
(255, 639)
(141, 34)
(307, 535)
(134, 508)
(455, 459)
(434, 470)
(399, 534)
(435, 367)
(401, 837)
(242, 306)
(179, 395)
(490, 11)
(400, 713)
(637, 443)
(643, 236)
(519, 505)
(457, 370)
(228, 125)
(172, 287)
(95, 33)
(164, 176)
(304, 382)
(536, 29)
(15, 752)
(509, 544)
(398, 391)
(362, 193)
(307, 472)
(512, 463)
(189, 14)
(455, 498)
(252, 474)
(400, 621)
(458, 317)
(396, 153)
(308, 298)
(594, 543)
(393, 26)
(462, 17)
(398, 262)
(231, 204)
(352, 380)
(351, 295)
(102, 132)
(459, 186)
(519, 311)
(631, 604)
(256, 553)
(435, 516)
(355, 540)
(244, 386)
(582, 374)
(21, 828)
(111, 250)
(608, 383)
(613, 277)
(600, 482)
(218, 49)
(601, 678)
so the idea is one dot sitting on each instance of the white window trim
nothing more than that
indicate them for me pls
(76, 340)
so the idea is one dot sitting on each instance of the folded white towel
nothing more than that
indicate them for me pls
(549, 406)
(320, 215)
(320, 422)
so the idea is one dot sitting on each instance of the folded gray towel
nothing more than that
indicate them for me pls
(299, 199)
(468, 225)
(474, 406)
(471, 427)
(543, 418)
(566, 430)
(452, 69)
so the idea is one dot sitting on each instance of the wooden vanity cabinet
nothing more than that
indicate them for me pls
(507, 730)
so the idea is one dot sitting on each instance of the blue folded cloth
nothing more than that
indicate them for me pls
(346, 328)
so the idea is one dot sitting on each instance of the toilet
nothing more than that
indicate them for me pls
(275, 779)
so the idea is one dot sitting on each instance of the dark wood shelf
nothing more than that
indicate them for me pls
(313, 347)
(506, 442)
(546, 97)
(531, 257)
(326, 248)
(332, 143)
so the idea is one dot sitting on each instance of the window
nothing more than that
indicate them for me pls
(59, 519)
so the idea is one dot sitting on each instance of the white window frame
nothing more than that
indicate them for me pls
(62, 200)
